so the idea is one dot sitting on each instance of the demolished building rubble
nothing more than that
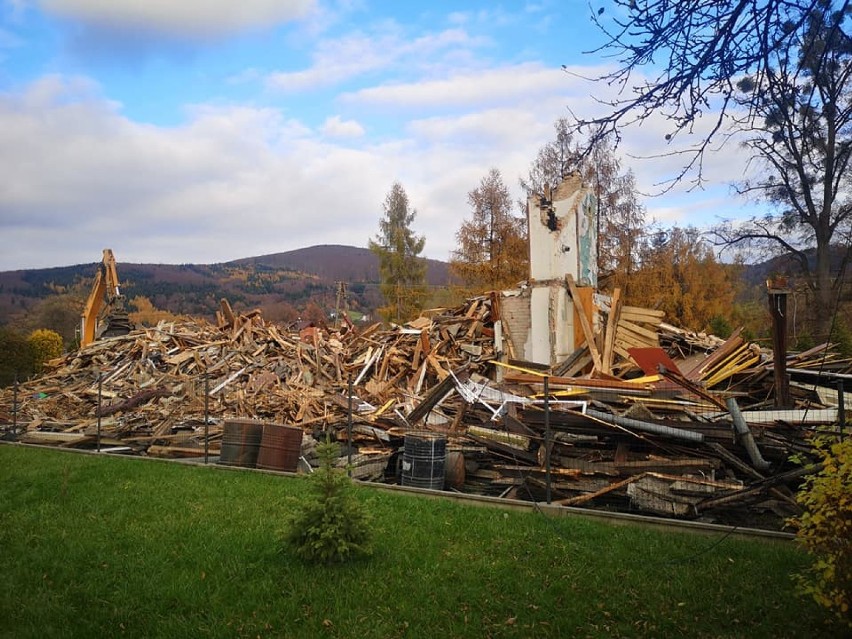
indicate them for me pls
(550, 391)
(659, 441)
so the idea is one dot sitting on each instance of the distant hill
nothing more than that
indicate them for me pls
(338, 264)
(757, 274)
(276, 283)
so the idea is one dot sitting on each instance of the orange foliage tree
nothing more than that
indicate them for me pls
(679, 274)
(146, 314)
(492, 246)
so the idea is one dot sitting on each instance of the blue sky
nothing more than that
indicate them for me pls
(208, 130)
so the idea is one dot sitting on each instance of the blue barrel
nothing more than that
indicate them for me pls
(423, 458)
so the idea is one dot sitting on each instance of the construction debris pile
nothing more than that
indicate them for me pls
(646, 417)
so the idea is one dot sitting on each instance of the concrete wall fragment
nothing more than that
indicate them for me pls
(562, 240)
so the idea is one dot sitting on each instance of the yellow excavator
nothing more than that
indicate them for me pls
(104, 314)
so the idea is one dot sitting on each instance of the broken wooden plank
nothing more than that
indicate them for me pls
(588, 332)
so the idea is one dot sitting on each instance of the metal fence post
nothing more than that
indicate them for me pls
(100, 386)
(15, 406)
(349, 429)
(547, 435)
(206, 416)
(841, 409)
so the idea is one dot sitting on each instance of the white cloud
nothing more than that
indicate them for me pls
(335, 127)
(180, 17)
(237, 181)
(340, 59)
(504, 85)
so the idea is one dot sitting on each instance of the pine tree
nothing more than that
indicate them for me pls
(402, 270)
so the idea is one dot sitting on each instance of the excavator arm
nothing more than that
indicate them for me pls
(104, 312)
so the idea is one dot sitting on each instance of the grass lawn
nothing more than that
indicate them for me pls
(99, 546)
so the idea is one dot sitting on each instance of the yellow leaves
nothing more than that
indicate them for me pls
(45, 345)
(825, 529)
(683, 278)
(147, 314)
(491, 248)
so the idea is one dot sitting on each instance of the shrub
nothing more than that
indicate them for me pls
(16, 357)
(332, 525)
(46, 345)
(721, 327)
(825, 529)
(842, 336)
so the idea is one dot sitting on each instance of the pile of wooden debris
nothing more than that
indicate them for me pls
(642, 416)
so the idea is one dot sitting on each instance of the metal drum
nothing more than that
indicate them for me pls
(423, 460)
(280, 448)
(240, 442)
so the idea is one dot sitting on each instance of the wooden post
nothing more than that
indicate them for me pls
(778, 291)
(15, 406)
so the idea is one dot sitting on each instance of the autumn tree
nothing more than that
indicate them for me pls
(146, 314)
(492, 248)
(60, 313)
(401, 269)
(554, 161)
(313, 313)
(620, 214)
(280, 312)
(680, 275)
(799, 128)
(45, 345)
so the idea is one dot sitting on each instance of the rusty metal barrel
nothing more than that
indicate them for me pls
(423, 458)
(454, 470)
(280, 448)
(240, 442)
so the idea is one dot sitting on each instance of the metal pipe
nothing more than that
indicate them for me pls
(647, 427)
(745, 436)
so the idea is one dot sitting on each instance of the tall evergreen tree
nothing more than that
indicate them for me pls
(402, 270)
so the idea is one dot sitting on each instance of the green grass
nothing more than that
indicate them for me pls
(102, 546)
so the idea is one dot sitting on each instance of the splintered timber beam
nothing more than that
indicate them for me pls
(439, 392)
(611, 328)
(584, 322)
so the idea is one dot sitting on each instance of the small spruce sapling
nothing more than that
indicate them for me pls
(331, 525)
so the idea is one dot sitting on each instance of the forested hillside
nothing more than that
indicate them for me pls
(283, 285)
